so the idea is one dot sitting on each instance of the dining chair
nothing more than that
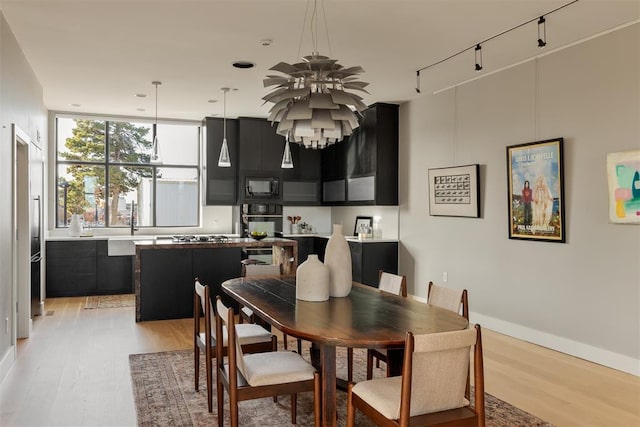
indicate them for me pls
(451, 299)
(259, 375)
(246, 314)
(254, 338)
(431, 390)
(392, 284)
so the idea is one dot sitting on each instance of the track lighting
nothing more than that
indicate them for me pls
(478, 58)
(542, 32)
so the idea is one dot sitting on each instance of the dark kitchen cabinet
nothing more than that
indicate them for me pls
(166, 284)
(306, 246)
(260, 148)
(222, 183)
(114, 274)
(71, 268)
(83, 268)
(368, 258)
(215, 265)
(301, 193)
(319, 246)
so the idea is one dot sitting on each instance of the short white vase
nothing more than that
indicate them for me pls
(337, 257)
(75, 226)
(312, 280)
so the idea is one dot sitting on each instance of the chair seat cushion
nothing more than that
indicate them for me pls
(247, 311)
(384, 395)
(276, 367)
(248, 333)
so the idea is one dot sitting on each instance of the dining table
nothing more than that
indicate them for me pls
(366, 318)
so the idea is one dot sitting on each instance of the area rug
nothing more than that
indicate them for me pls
(163, 387)
(110, 301)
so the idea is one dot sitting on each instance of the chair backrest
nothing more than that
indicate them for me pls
(435, 372)
(262, 269)
(201, 295)
(225, 317)
(450, 299)
(392, 283)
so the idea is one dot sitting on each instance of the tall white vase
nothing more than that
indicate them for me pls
(312, 280)
(337, 257)
(75, 226)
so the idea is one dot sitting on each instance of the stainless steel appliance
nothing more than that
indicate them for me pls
(261, 188)
(260, 217)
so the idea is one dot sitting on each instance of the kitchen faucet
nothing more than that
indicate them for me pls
(132, 219)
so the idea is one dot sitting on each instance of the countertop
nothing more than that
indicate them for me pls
(349, 238)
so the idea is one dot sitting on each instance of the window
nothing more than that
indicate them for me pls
(103, 170)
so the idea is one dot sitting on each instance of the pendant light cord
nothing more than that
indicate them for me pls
(224, 114)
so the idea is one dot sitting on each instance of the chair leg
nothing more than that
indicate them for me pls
(369, 365)
(234, 410)
(220, 398)
(351, 411)
(299, 346)
(284, 339)
(317, 397)
(294, 407)
(349, 364)
(377, 363)
(196, 365)
(209, 366)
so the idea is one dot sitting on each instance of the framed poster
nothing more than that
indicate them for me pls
(623, 173)
(536, 191)
(454, 191)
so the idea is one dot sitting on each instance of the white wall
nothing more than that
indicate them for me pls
(20, 103)
(582, 297)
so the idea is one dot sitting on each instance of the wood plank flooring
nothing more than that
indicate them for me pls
(74, 371)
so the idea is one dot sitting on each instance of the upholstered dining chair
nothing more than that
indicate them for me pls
(246, 314)
(392, 284)
(431, 390)
(254, 338)
(259, 375)
(451, 299)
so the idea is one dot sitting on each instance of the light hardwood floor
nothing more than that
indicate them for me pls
(74, 371)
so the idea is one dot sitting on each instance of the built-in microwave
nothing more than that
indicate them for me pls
(262, 188)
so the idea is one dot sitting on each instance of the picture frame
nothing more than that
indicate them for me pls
(360, 220)
(623, 176)
(535, 177)
(454, 191)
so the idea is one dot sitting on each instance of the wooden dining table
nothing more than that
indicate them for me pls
(366, 318)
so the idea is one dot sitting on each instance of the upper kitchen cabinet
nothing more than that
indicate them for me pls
(261, 148)
(222, 183)
(363, 169)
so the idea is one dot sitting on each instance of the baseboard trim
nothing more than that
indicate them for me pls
(593, 354)
(7, 361)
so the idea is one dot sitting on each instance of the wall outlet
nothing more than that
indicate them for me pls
(445, 277)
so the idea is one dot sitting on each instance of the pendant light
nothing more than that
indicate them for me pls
(155, 151)
(224, 161)
(287, 161)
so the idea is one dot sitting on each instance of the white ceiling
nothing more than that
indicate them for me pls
(100, 53)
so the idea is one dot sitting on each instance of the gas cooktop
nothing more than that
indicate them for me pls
(187, 238)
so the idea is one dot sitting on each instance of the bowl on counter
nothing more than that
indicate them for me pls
(256, 235)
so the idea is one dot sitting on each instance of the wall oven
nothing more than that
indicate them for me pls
(260, 217)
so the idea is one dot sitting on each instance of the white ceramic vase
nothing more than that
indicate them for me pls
(75, 226)
(337, 257)
(312, 280)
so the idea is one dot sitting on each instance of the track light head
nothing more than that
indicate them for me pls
(478, 52)
(542, 32)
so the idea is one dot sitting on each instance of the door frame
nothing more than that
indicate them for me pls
(21, 212)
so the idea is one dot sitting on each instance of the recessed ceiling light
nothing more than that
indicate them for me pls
(141, 109)
(141, 95)
(74, 105)
(243, 64)
(266, 42)
(212, 101)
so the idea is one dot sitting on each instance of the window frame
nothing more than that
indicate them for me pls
(107, 164)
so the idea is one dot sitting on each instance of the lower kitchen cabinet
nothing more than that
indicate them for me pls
(367, 259)
(167, 279)
(83, 267)
(306, 246)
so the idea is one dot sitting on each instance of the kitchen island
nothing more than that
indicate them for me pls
(165, 271)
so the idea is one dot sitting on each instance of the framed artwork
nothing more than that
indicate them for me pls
(623, 173)
(536, 191)
(362, 221)
(454, 191)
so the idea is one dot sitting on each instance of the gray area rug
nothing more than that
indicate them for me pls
(110, 301)
(163, 387)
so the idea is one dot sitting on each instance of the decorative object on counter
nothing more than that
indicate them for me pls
(258, 235)
(377, 228)
(361, 223)
(75, 226)
(311, 103)
(312, 280)
(294, 224)
(337, 257)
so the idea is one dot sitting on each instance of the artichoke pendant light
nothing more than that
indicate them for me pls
(155, 150)
(224, 161)
(312, 105)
